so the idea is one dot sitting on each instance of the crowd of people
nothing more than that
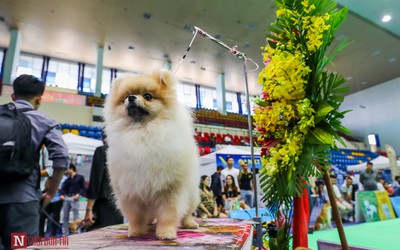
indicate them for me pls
(369, 180)
(228, 189)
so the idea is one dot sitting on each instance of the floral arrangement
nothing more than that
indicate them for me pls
(297, 116)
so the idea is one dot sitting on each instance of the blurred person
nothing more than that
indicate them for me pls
(71, 191)
(381, 173)
(230, 170)
(23, 198)
(231, 195)
(345, 208)
(101, 210)
(396, 182)
(216, 186)
(368, 178)
(379, 184)
(50, 215)
(388, 188)
(208, 206)
(246, 184)
(228, 139)
(347, 189)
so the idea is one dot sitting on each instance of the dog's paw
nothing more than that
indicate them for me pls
(135, 232)
(189, 223)
(166, 234)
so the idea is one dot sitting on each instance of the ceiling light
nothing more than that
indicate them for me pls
(188, 27)
(364, 82)
(386, 18)
(251, 26)
(349, 78)
(393, 59)
(146, 15)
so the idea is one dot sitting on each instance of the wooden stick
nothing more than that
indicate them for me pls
(335, 211)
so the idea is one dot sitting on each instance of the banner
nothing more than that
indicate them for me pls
(368, 203)
(396, 204)
(221, 160)
(392, 160)
(385, 209)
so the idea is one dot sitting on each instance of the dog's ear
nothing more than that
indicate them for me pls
(164, 76)
(115, 84)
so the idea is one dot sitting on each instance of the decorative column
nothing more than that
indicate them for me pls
(12, 57)
(99, 70)
(221, 97)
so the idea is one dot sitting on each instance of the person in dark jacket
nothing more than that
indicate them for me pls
(72, 189)
(100, 210)
(216, 186)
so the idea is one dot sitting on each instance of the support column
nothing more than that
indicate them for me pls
(99, 70)
(221, 97)
(168, 65)
(12, 57)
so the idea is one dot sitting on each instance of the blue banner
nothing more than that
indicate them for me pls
(221, 160)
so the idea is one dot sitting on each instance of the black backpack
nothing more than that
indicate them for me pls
(17, 150)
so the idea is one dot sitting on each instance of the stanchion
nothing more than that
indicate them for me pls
(233, 50)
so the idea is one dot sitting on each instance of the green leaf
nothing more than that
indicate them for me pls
(322, 136)
(337, 137)
(337, 98)
(323, 109)
(341, 90)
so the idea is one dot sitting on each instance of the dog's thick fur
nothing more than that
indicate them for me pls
(152, 155)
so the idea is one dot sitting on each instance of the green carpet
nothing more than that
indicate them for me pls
(384, 235)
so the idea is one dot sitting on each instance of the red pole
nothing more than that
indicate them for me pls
(301, 218)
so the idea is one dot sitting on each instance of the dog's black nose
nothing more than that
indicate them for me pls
(131, 98)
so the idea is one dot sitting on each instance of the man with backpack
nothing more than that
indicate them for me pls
(23, 130)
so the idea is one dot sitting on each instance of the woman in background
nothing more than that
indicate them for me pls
(208, 206)
(231, 195)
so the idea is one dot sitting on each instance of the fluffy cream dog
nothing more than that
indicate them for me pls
(152, 155)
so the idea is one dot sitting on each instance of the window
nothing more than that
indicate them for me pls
(89, 79)
(244, 104)
(106, 81)
(30, 64)
(63, 74)
(186, 94)
(231, 102)
(208, 97)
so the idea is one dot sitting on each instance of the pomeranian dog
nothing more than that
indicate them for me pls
(152, 156)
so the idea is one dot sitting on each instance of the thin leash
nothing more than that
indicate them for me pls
(233, 50)
(50, 218)
(186, 52)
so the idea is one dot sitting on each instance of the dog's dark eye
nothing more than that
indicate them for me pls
(148, 97)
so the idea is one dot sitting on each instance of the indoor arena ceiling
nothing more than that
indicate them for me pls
(141, 35)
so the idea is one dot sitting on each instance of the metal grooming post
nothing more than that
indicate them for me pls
(242, 56)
